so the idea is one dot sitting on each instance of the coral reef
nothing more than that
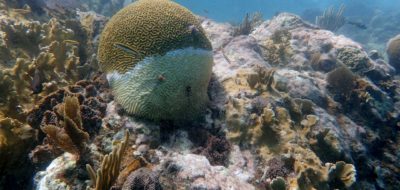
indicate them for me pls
(39, 55)
(92, 97)
(39, 58)
(163, 76)
(289, 105)
(300, 109)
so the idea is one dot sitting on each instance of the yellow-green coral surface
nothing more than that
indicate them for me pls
(158, 60)
(145, 28)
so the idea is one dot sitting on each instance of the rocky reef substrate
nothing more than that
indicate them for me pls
(291, 107)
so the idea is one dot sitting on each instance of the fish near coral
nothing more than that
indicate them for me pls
(158, 60)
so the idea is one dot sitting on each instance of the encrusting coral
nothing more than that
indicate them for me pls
(142, 178)
(276, 49)
(355, 59)
(160, 75)
(108, 172)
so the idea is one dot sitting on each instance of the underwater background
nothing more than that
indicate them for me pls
(234, 10)
(226, 94)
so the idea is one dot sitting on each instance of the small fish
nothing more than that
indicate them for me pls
(206, 11)
(193, 30)
(19, 109)
(36, 84)
(128, 49)
(161, 78)
(73, 42)
(357, 24)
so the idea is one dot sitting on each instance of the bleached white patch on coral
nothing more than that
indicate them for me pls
(171, 86)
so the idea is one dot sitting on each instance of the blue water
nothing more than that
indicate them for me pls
(234, 10)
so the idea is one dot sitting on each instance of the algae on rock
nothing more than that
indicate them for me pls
(277, 49)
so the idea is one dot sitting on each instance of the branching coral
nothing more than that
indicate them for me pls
(108, 173)
(331, 20)
(39, 55)
(250, 21)
(39, 58)
(68, 134)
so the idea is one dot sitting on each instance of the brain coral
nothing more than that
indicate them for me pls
(157, 59)
(393, 51)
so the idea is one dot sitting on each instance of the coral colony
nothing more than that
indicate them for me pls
(151, 96)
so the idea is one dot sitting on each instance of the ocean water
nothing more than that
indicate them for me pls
(235, 10)
(189, 94)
